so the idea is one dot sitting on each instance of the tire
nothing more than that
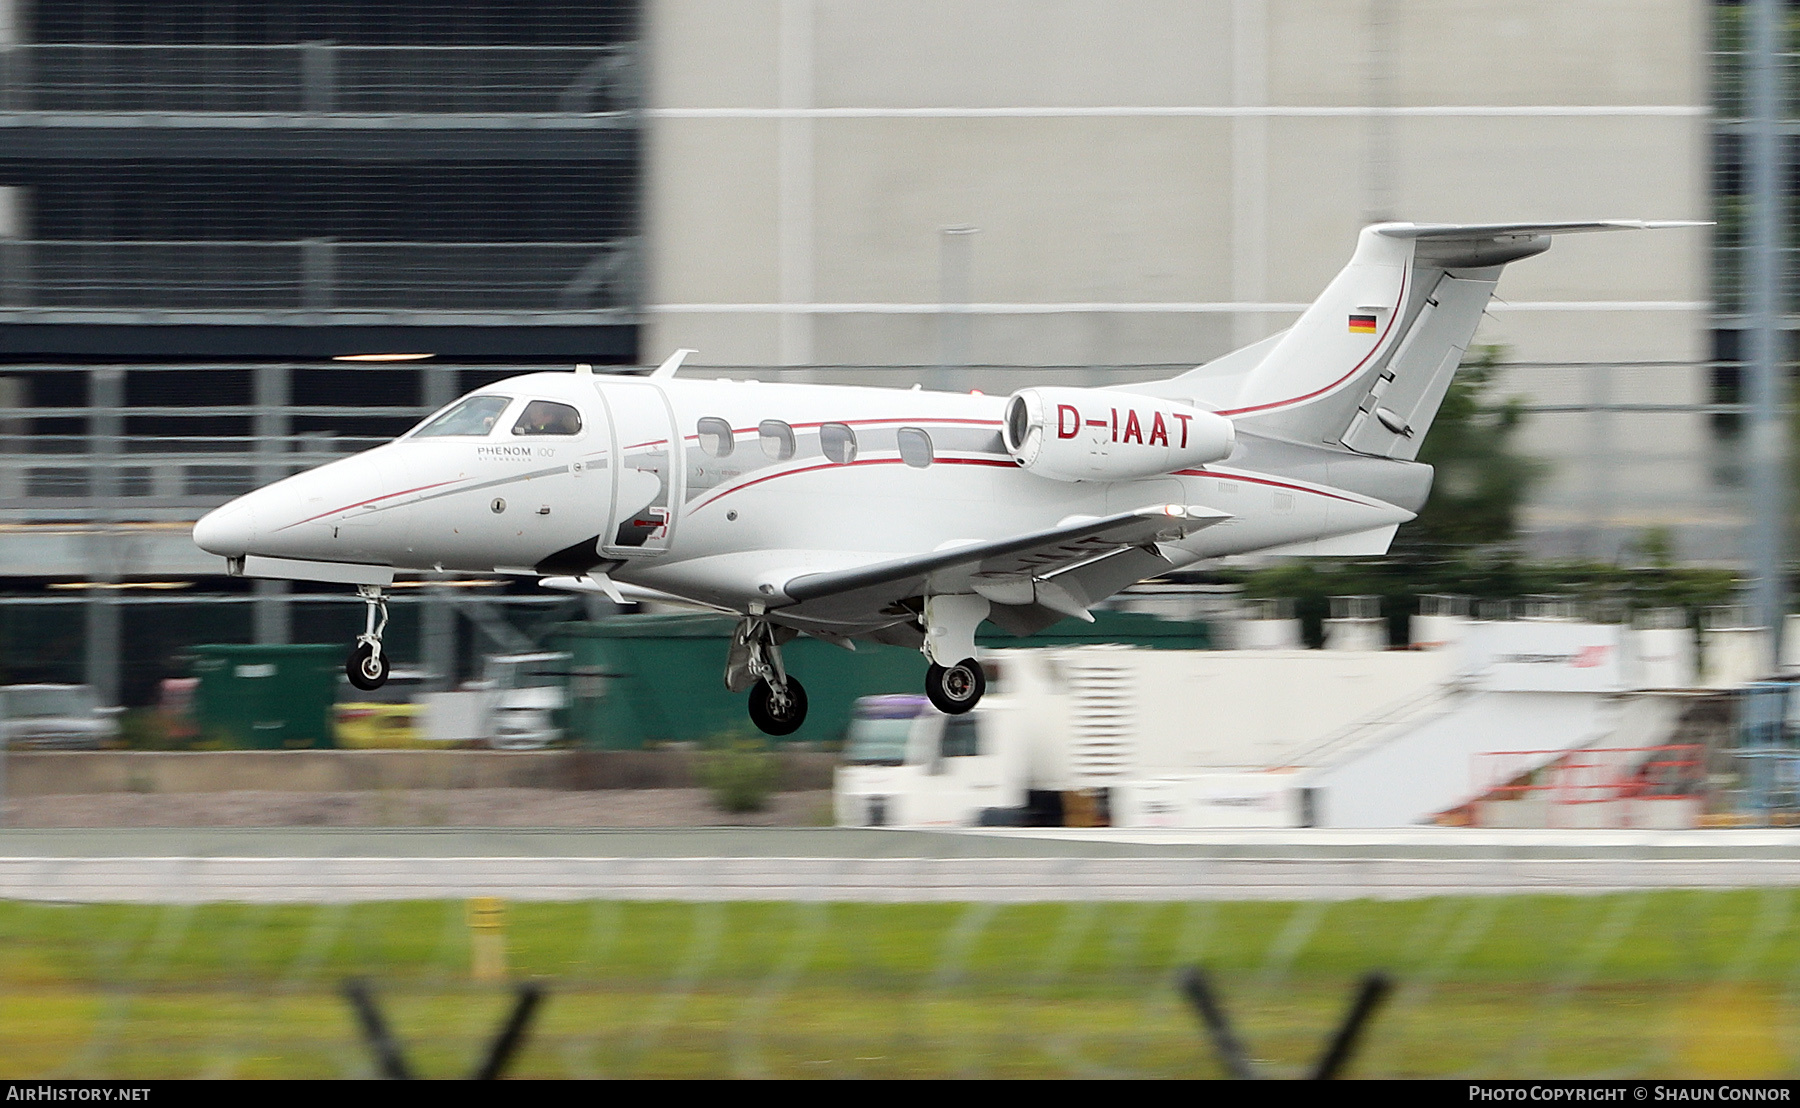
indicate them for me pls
(366, 669)
(955, 689)
(770, 719)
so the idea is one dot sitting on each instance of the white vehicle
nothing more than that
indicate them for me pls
(512, 707)
(55, 717)
(906, 764)
(907, 517)
(529, 693)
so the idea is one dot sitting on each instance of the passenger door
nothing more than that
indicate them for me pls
(646, 474)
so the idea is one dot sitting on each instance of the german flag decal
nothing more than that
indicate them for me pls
(1362, 324)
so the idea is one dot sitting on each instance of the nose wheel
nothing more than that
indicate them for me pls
(777, 700)
(778, 711)
(367, 667)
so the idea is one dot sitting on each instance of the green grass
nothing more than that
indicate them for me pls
(1643, 984)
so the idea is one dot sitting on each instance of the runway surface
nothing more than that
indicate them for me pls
(317, 865)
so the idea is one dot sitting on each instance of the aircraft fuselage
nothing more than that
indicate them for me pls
(716, 490)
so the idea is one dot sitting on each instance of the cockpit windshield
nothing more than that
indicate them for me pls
(473, 416)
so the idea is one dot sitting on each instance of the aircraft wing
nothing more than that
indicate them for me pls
(1010, 570)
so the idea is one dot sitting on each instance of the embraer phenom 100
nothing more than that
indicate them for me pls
(906, 517)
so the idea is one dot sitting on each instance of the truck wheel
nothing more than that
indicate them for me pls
(955, 689)
(778, 717)
(366, 669)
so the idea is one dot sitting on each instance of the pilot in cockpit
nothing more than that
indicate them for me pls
(542, 417)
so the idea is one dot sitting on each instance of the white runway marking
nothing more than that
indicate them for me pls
(188, 880)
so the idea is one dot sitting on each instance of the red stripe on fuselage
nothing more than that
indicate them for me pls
(735, 431)
(1266, 481)
(1353, 371)
(721, 494)
(371, 500)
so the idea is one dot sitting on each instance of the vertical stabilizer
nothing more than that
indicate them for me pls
(1368, 363)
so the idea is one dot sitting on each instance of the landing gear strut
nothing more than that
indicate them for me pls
(955, 680)
(367, 666)
(777, 700)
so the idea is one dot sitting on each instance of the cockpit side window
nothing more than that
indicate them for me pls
(473, 416)
(547, 417)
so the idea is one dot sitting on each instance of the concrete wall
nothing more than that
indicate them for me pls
(1142, 170)
(1155, 182)
(72, 772)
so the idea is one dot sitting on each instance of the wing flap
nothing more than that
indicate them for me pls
(1035, 555)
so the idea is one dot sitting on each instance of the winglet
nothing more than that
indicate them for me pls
(671, 364)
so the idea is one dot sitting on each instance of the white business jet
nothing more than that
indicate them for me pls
(906, 517)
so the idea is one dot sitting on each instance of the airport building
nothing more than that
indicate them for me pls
(1131, 189)
(202, 204)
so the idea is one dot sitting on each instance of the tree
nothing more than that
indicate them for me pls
(1481, 482)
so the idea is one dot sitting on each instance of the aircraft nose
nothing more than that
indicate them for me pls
(226, 531)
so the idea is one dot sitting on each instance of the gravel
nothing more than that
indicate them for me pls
(414, 808)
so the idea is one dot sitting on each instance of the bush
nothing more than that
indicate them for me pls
(741, 772)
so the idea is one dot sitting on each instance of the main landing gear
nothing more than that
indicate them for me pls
(955, 689)
(777, 700)
(367, 666)
(954, 682)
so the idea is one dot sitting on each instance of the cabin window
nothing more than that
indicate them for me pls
(716, 437)
(473, 416)
(838, 443)
(915, 447)
(777, 439)
(547, 417)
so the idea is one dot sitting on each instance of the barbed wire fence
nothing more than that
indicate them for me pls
(1633, 984)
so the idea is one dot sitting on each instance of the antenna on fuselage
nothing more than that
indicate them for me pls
(583, 369)
(667, 369)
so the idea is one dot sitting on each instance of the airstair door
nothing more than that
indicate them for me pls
(646, 476)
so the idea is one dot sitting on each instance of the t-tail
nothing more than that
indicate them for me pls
(1367, 365)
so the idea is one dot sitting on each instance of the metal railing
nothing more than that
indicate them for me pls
(319, 77)
(156, 480)
(318, 275)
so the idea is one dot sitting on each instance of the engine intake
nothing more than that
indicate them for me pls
(1102, 435)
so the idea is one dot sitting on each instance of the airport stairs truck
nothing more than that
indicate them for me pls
(1260, 738)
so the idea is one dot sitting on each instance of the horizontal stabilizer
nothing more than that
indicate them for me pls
(1436, 231)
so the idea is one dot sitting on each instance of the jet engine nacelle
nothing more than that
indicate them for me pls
(1102, 435)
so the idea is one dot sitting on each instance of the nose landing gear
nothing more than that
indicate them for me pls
(777, 700)
(367, 666)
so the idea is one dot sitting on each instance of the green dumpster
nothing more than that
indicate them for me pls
(645, 680)
(266, 697)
